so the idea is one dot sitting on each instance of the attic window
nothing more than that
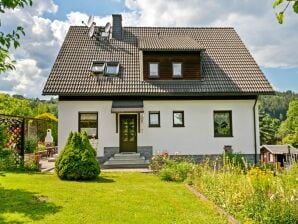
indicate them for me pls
(112, 68)
(153, 70)
(177, 69)
(98, 67)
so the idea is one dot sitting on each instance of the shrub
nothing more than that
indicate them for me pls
(175, 171)
(158, 161)
(9, 160)
(30, 144)
(77, 160)
(3, 136)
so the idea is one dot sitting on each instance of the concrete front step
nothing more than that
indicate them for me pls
(123, 155)
(135, 161)
(117, 166)
(126, 160)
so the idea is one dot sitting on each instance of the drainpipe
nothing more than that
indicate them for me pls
(255, 130)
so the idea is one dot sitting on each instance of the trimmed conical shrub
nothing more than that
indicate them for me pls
(77, 160)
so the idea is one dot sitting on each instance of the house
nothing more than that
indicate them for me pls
(188, 91)
(278, 155)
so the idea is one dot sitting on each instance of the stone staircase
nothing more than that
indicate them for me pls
(126, 160)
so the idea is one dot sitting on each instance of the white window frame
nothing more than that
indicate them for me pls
(112, 64)
(153, 76)
(177, 75)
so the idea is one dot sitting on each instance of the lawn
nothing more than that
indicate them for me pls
(112, 198)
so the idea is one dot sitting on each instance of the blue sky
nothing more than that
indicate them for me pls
(273, 46)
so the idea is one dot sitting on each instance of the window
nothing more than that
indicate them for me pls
(88, 122)
(98, 67)
(153, 70)
(112, 68)
(222, 123)
(154, 119)
(178, 118)
(177, 69)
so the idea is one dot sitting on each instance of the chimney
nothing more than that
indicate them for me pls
(117, 26)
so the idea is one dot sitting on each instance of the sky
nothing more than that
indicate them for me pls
(273, 46)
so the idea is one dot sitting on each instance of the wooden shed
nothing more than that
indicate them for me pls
(280, 155)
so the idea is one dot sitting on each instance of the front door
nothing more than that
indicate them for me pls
(128, 133)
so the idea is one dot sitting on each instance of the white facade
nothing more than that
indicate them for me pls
(196, 138)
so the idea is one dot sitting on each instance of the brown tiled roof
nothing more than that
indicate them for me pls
(177, 43)
(280, 149)
(228, 68)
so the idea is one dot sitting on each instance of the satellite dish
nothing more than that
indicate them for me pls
(107, 27)
(91, 30)
(90, 21)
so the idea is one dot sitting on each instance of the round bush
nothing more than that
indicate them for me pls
(77, 160)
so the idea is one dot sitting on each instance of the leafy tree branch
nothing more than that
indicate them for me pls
(285, 4)
(7, 40)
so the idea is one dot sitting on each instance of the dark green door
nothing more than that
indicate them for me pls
(128, 133)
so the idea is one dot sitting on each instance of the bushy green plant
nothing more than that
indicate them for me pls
(158, 161)
(3, 136)
(175, 171)
(30, 144)
(9, 160)
(77, 160)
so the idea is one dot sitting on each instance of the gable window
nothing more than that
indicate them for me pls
(154, 119)
(98, 67)
(112, 68)
(178, 118)
(153, 70)
(88, 121)
(222, 123)
(177, 69)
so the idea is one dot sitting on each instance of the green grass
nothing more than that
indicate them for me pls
(112, 198)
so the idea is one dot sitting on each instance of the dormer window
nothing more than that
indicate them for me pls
(153, 70)
(112, 68)
(177, 69)
(98, 67)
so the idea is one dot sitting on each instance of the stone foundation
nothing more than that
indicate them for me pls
(145, 151)
(250, 158)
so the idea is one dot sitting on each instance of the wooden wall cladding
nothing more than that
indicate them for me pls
(190, 64)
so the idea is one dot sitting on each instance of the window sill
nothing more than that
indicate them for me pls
(178, 77)
(178, 126)
(223, 136)
(154, 126)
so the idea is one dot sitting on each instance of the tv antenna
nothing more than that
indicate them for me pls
(89, 22)
(100, 33)
(91, 30)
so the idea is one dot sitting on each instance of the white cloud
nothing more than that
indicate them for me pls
(25, 82)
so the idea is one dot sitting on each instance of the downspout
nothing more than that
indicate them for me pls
(255, 130)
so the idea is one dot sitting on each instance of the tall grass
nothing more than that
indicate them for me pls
(253, 195)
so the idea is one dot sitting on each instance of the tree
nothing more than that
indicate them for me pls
(268, 128)
(289, 128)
(9, 39)
(286, 4)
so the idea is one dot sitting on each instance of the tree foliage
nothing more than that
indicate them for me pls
(10, 39)
(285, 4)
(268, 128)
(273, 117)
(289, 128)
(277, 105)
(20, 106)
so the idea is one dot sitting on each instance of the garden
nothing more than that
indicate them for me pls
(252, 194)
(22, 140)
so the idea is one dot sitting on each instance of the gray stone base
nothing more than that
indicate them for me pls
(145, 151)
(250, 158)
